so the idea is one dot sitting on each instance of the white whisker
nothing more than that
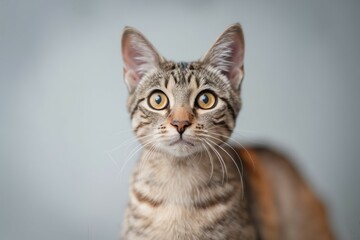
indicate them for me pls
(211, 161)
(138, 148)
(233, 160)
(221, 160)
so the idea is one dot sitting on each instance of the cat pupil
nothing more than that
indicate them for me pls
(205, 99)
(158, 99)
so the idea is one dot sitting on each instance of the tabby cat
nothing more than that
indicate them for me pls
(189, 182)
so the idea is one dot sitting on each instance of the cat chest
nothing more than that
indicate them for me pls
(220, 220)
(174, 222)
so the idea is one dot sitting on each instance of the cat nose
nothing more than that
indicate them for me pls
(181, 118)
(180, 125)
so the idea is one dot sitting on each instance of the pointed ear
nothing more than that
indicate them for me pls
(139, 57)
(227, 55)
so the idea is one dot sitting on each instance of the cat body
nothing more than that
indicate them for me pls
(179, 199)
(189, 182)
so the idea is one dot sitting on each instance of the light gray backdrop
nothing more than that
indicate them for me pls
(63, 116)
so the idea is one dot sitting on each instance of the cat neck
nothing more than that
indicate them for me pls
(199, 169)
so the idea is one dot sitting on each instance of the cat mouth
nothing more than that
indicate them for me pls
(181, 141)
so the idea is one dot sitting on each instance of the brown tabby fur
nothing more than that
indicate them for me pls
(189, 182)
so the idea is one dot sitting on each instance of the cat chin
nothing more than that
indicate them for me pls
(180, 151)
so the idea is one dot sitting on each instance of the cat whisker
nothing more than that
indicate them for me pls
(134, 139)
(209, 135)
(238, 131)
(245, 134)
(252, 139)
(153, 148)
(110, 151)
(141, 144)
(221, 160)
(210, 159)
(235, 141)
(212, 164)
(150, 153)
(233, 160)
(138, 148)
(128, 141)
(112, 159)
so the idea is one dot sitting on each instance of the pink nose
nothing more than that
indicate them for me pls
(180, 125)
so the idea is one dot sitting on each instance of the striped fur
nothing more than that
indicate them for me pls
(171, 199)
(188, 183)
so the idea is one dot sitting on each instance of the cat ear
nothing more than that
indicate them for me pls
(227, 55)
(139, 57)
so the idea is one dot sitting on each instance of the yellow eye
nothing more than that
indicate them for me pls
(206, 100)
(158, 100)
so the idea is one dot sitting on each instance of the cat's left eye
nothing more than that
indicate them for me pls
(206, 100)
(158, 100)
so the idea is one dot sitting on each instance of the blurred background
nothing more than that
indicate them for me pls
(65, 133)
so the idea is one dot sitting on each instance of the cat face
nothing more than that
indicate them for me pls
(183, 108)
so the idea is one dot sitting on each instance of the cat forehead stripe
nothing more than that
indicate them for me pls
(183, 65)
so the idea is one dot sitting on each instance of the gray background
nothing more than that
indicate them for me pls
(64, 122)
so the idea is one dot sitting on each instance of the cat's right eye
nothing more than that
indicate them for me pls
(158, 100)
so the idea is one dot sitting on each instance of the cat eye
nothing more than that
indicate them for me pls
(206, 100)
(158, 100)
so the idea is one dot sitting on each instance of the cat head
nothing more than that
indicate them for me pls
(181, 108)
